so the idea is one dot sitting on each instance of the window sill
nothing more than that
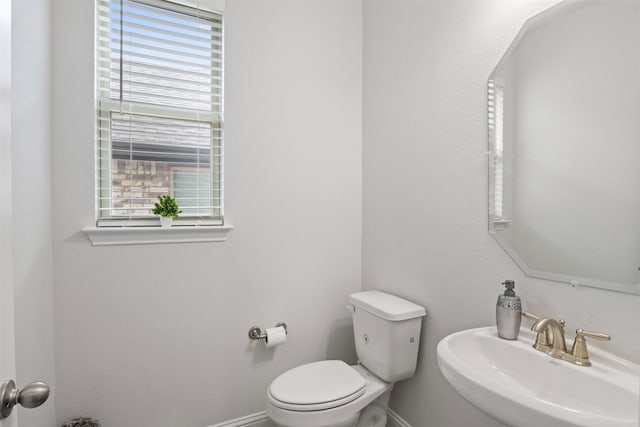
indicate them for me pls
(117, 236)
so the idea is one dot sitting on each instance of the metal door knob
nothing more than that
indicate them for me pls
(31, 396)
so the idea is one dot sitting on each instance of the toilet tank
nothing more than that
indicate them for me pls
(386, 329)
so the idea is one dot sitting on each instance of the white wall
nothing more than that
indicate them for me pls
(425, 236)
(7, 323)
(31, 162)
(157, 335)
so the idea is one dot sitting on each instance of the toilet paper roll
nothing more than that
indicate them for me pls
(275, 336)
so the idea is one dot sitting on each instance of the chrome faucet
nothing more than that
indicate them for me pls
(557, 347)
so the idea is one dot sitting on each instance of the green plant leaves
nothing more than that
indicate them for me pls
(166, 206)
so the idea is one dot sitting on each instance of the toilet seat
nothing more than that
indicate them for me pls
(345, 414)
(317, 386)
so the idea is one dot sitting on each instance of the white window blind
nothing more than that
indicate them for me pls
(496, 127)
(160, 111)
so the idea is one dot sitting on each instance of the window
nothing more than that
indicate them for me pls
(496, 140)
(159, 111)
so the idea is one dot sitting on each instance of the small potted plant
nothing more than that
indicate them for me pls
(167, 208)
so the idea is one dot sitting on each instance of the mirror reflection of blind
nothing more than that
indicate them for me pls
(496, 125)
(159, 108)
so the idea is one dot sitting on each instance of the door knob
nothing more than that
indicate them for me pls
(31, 396)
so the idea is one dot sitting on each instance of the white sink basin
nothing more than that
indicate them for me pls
(520, 386)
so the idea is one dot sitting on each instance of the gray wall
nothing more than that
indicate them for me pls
(157, 335)
(425, 236)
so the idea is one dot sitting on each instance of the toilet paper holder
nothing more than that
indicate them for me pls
(255, 333)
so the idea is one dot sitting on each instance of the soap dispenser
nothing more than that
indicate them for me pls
(508, 312)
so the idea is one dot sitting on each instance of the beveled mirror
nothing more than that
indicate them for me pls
(564, 142)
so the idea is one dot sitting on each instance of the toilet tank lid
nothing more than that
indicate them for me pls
(386, 306)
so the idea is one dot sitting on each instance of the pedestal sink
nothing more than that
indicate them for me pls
(520, 386)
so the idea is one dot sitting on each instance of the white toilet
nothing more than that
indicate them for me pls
(331, 393)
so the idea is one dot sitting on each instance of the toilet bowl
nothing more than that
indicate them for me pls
(331, 393)
(328, 393)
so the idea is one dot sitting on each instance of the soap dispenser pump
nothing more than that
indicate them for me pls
(508, 312)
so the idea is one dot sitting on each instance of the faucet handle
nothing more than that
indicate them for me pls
(579, 349)
(529, 315)
(597, 335)
(542, 339)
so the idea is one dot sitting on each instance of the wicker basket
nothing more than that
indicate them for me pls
(82, 422)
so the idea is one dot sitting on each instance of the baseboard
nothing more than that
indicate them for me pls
(395, 420)
(259, 419)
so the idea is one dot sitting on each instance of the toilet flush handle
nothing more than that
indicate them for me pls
(350, 308)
